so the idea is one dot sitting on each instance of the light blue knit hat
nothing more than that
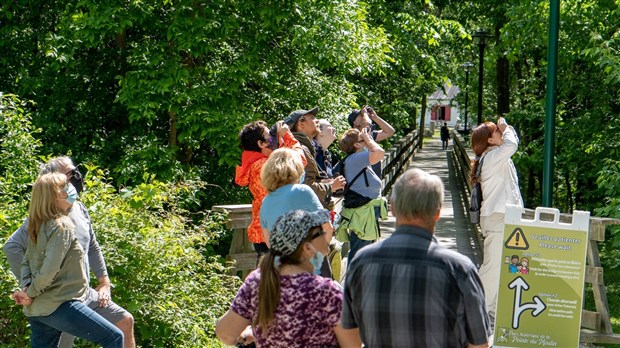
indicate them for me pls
(292, 227)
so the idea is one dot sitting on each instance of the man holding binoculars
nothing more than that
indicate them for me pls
(364, 118)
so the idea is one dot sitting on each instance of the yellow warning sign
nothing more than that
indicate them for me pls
(517, 240)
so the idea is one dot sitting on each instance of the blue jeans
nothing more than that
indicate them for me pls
(356, 244)
(76, 318)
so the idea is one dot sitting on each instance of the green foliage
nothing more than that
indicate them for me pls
(609, 179)
(18, 167)
(144, 155)
(14, 329)
(161, 259)
(163, 88)
(157, 91)
(18, 159)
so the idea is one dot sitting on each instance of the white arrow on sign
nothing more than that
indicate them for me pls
(538, 305)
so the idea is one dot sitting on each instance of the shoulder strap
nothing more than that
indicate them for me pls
(341, 163)
(363, 171)
(479, 169)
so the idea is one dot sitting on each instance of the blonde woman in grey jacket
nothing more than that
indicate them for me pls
(53, 281)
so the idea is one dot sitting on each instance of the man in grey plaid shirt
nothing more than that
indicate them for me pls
(407, 290)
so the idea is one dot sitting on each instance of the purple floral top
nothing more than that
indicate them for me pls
(310, 306)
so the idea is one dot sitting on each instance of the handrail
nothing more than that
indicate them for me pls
(596, 326)
(461, 155)
(397, 158)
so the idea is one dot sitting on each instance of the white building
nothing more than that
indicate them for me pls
(442, 107)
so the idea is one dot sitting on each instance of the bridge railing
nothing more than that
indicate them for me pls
(397, 159)
(461, 157)
(596, 325)
(241, 253)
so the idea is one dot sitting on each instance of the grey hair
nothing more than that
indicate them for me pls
(417, 194)
(323, 122)
(56, 164)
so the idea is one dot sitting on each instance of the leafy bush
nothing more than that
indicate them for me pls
(14, 329)
(609, 179)
(18, 159)
(18, 167)
(162, 259)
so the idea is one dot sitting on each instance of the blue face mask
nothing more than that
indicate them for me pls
(316, 261)
(72, 194)
(302, 178)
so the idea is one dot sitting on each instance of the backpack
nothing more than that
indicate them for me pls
(353, 199)
(475, 201)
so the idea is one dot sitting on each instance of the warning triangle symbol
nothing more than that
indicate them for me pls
(517, 240)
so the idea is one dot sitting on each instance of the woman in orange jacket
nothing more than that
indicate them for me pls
(257, 145)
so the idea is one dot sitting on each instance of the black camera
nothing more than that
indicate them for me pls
(369, 109)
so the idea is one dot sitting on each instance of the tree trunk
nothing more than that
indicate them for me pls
(539, 175)
(503, 86)
(503, 80)
(531, 189)
(569, 191)
(422, 116)
(172, 136)
(520, 85)
(121, 45)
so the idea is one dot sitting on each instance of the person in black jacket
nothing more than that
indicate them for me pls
(445, 136)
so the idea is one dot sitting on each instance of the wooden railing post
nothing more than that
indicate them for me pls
(241, 253)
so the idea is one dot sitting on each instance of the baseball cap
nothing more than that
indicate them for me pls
(294, 116)
(353, 116)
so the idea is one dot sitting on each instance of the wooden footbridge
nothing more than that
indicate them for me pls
(454, 231)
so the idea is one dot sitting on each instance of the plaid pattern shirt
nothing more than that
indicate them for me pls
(408, 291)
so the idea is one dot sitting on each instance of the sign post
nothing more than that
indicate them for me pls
(542, 279)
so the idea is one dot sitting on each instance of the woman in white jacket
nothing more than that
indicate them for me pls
(494, 145)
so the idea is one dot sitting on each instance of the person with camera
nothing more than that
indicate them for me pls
(364, 119)
(304, 128)
(363, 203)
(257, 144)
(494, 145)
